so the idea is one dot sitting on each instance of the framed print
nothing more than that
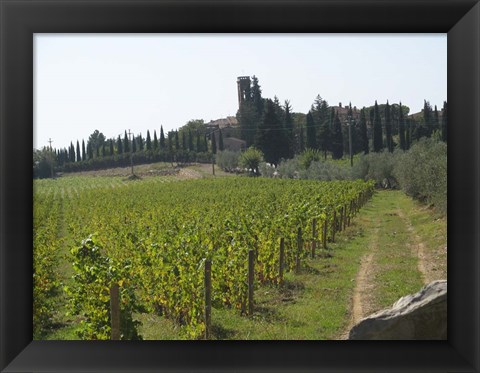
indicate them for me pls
(22, 20)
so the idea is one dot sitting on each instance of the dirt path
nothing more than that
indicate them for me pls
(361, 305)
(363, 300)
(418, 248)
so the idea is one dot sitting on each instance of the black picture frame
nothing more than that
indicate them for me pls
(20, 19)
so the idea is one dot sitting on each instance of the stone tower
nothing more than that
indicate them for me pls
(243, 86)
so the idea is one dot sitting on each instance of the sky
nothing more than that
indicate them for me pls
(138, 82)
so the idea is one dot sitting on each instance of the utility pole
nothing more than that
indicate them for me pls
(131, 149)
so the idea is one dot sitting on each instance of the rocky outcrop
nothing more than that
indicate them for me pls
(419, 316)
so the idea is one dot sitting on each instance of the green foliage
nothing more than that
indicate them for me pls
(251, 159)
(45, 262)
(89, 295)
(309, 156)
(158, 254)
(227, 160)
(422, 172)
(378, 167)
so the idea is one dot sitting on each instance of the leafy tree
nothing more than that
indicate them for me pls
(377, 130)
(96, 139)
(337, 139)
(251, 159)
(184, 140)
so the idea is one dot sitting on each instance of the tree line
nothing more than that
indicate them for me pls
(265, 124)
(280, 133)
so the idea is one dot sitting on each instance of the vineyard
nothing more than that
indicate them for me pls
(176, 249)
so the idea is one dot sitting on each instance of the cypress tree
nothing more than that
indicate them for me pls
(199, 147)
(155, 140)
(139, 142)
(205, 143)
(162, 138)
(214, 144)
(301, 139)
(89, 151)
(184, 141)
(126, 144)
(134, 144)
(436, 121)
(190, 140)
(388, 127)
(177, 141)
(111, 147)
(84, 154)
(337, 139)
(311, 132)
(149, 141)
(288, 125)
(79, 155)
(426, 129)
(408, 133)
(401, 129)
(444, 121)
(377, 130)
(103, 150)
(270, 138)
(119, 145)
(363, 131)
(221, 147)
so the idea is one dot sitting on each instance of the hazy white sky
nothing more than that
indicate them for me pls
(117, 82)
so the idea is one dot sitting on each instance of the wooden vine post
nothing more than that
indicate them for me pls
(281, 261)
(251, 257)
(115, 312)
(314, 235)
(299, 250)
(324, 235)
(208, 298)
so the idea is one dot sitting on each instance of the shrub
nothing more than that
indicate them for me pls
(378, 167)
(422, 172)
(251, 159)
(227, 160)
